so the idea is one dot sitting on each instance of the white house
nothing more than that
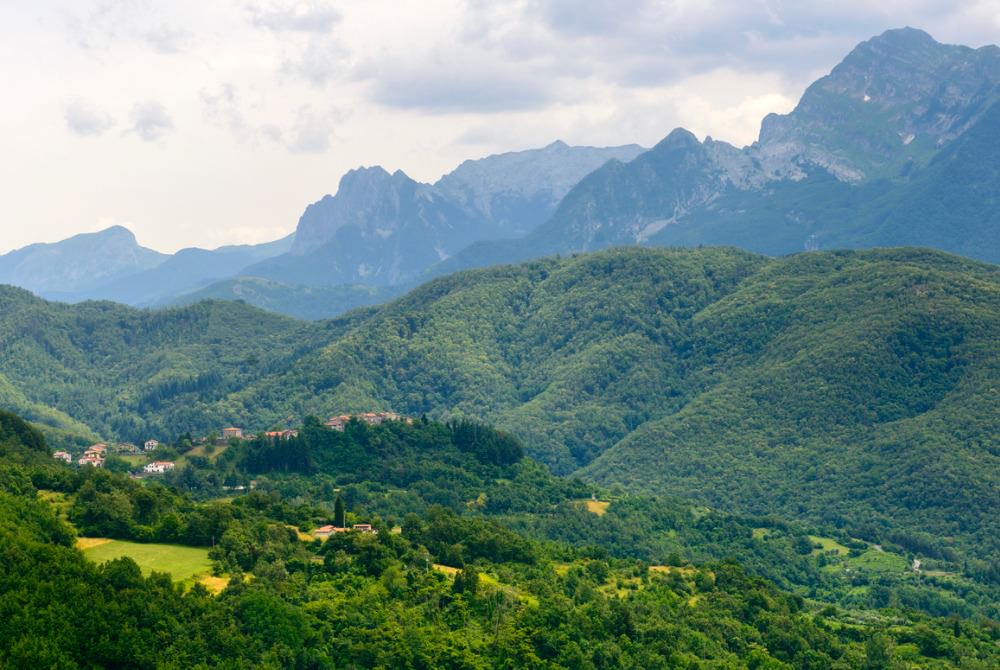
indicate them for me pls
(158, 467)
(150, 445)
(63, 456)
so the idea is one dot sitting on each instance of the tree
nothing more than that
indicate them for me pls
(466, 581)
(339, 513)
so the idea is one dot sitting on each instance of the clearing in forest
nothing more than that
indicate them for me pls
(182, 563)
(598, 507)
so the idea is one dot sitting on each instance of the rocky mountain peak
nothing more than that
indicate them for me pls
(678, 139)
(893, 101)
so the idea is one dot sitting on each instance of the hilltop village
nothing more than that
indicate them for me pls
(145, 461)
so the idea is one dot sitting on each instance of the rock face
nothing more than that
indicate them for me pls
(78, 263)
(517, 191)
(380, 228)
(864, 141)
(386, 229)
(895, 99)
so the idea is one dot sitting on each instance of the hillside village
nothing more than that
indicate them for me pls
(96, 454)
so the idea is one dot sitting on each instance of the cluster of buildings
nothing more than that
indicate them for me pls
(95, 454)
(158, 467)
(371, 418)
(281, 434)
(327, 531)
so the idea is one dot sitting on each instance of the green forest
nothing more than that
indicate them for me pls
(851, 389)
(441, 586)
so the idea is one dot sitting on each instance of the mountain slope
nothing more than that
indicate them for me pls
(782, 385)
(843, 383)
(958, 192)
(519, 190)
(893, 148)
(134, 374)
(78, 263)
(894, 100)
(300, 302)
(386, 229)
(851, 388)
(186, 270)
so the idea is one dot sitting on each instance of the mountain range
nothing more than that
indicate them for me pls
(379, 230)
(898, 145)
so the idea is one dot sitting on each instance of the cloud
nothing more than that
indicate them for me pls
(150, 120)
(166, 40)
(305, 17)
(222, 106)
(312, 132)
(643, 43)
(460, 89)
(85, 121)
(321, 60)
(107, 24)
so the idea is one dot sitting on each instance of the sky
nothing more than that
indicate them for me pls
(205, 123)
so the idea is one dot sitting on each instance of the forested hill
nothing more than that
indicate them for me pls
(99, 369)
(855, 388)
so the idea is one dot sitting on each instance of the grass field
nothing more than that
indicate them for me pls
(829, 544)
(486, 579)
(209, 451)
(135, 460)
(598, 507)
(182, 563)
(879, 561)
(684, 571)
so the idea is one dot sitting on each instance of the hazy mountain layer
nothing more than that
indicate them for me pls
(386, 229)
(79, 263)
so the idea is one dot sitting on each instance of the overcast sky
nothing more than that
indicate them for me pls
(204, 122)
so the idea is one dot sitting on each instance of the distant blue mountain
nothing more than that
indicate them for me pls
(80, 263)
(386, 229)
(186, 270)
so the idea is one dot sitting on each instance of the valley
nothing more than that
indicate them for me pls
(692, 406)
(461, 530)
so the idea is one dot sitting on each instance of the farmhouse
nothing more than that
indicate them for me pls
(63, 456)
(96, 450)
(338, 422)
(92, 461)
(231, 432)
(150, 445)
(281, 434)
(158, 467)
(327, 531)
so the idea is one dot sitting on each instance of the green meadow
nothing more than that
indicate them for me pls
(182, 563)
